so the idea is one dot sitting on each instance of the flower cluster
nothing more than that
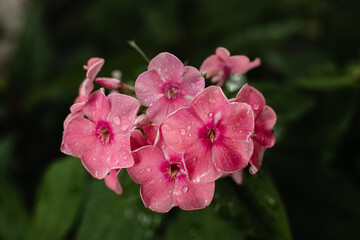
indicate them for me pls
(188, 138)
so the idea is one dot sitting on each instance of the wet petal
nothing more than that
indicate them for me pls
(223, 54)
(253, 97)
(264, 125)
(137, 140)
(169, 67)
(109, 83)
(231, 155)
(212, 66)
(149, 88)
(191, 196)
(157, 112)
(241, 64)
(151, 133)
(112, 181)
(94, 67)
(191, 82)
(97, 107)
(257, 157)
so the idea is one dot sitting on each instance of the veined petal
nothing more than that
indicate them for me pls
(191, 196)
(181, 129)
(240, 124)
(112, 181)
(264, 124)
(123, 110)
(148, 161)
(97, 107)
(211, 103)
(231, 155)
(149, 88)
(199, 164)
(191, 82)
(158, 194)
(253, 97)
(169, 67)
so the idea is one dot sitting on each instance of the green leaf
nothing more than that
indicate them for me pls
(110, 216)
(59, 199)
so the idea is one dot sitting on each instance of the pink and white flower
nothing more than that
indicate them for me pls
(221, 65)
(102, 140)
(164, 181)
(265, 119)
(167, 86)
(213, 134)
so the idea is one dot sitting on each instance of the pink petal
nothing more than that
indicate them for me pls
(94, 67)
(232, 155)
(149, 88)
(112, 181)
(151, 133)
(79, 136)
(191, 82)
(241, 64)
(211, 103)
(147, 164)
(212, 66)
(223, 54)
(199, 164)
(137, 140)
(240, 124)
(157, 194)
(157, 112)
(109, 83)
(180, 129)
(97, 107)
(252, 97)
(191, 196)
(141, 121)
(77, 107)
(257, 157)
(120, 153)
(169, 67)
(84, 90)
(238, 176)
(123, 110)
(264, 124)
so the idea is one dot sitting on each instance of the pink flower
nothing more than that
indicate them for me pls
(164, 181)
(265, 119)
(138, 140)
(112, 181)
(167, 86)
(221, 65)
(213, 134)
(102, 140)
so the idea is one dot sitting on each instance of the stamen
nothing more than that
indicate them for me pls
(173, 170)
(172, 92)
(210, 134)
(103, 133)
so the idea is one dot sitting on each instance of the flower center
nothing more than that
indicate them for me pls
(103, 133)
(210, 134)
(173, 170)
(172, 92)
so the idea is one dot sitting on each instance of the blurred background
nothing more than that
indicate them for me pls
(310, 75)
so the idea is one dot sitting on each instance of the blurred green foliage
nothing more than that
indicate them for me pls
(310, 75)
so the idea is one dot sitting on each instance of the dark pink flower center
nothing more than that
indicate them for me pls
(103, 132)
(173, 170)
(171, 92)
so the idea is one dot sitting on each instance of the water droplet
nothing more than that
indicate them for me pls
(158, 69)
(152, 182)
(212, 100)
(210, 115)
(188, 127)
(185, 189)
(192, 123)
(182, 132)
(148, 169)
(240, 131)
(163, 146)
(141, 171)
(117, 120)
(123, 112)
(194, 159)
(233, 128)
(256, 106)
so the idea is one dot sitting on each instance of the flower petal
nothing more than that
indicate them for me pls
(112, 181)
(180, 129)
(211, 65)
(191, 82)
(157, 112)
(94, 67)
(222, 53)
(109, 83)
(238, 176)
(232, 155)
(97, 107)
(257, 157)
(169, 67)
(137, 140)
(241, 64)
(211, 103)
(158, 194)
(264, 125)
(199, 165)
(191, 196)
(148, 161)
(120, 152)
(84, 90)
(122, 112)
(240, 124)
(253, 97)
(149, 88)
(151, 133)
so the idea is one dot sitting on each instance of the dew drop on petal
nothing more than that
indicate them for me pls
(117, 120)
(212, 100)
(194, 159)
(256, 106)
(185, 189)
(189, 135)
(182, 132)
(233, 128)
(163, 146)
(188, 127)
(148, 169)
(240, 131)
(210, 115)
(141, 171)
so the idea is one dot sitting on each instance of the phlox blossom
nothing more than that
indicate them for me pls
(213, 134)
(167, 86)
(102, 139)
(221, 65)
(164, 181)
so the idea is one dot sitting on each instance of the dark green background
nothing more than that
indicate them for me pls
(309, 185)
